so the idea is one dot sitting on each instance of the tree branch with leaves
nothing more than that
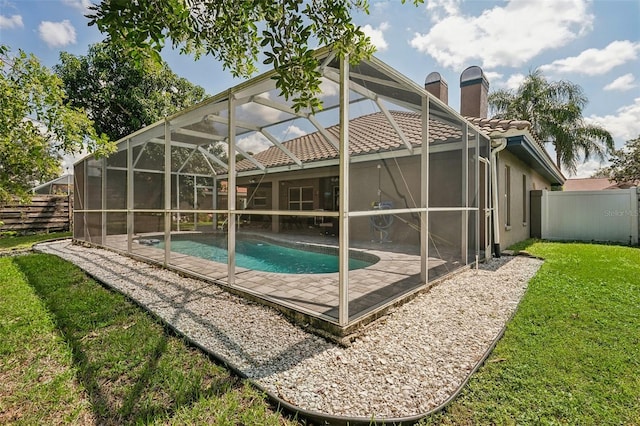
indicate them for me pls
(119, 97)
(625, 163)
(236, 32)
(37, 127)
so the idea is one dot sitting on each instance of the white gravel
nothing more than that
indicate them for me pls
(405, 364)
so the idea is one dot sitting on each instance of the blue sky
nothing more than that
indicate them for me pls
(595, 44)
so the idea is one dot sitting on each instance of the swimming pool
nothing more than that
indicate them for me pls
(268, 256)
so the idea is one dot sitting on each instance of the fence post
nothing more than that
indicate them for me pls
(544, 207)
(70, 204)
(634, 215)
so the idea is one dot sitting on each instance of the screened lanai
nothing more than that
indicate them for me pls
(331, 217)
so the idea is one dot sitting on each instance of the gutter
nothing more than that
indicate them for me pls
(498, 143)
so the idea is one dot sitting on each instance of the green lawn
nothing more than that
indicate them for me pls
(571, 354)
(37, 375)
(8, 243)
(73, 352)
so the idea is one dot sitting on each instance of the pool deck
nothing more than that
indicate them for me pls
(395, 275)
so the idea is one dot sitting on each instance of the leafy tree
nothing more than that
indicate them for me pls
(554, 110)
(236, 31)
(119, 97)
(625, 163)
(36, 126)
(602, 172)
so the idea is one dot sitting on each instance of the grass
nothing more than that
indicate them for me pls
(74, 352)
(37, 376)
(11, 243)
(571, 354)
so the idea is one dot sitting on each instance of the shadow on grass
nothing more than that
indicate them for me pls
(523, 245)
(133, 369)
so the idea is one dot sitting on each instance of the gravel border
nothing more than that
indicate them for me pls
(406, 364)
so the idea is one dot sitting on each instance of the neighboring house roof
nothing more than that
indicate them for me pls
(593, 184)
(66, 179)
(373, 133)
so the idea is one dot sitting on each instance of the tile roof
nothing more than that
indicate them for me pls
(371, 133)
(491, 124)
(593, 184)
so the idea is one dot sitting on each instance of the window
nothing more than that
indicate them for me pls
(524, 200)
(301, 198)
(260, 199)
(507, 196)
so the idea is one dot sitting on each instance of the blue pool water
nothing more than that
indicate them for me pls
(262, 256)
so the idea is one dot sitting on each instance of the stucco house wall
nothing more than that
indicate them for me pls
(394, 181)
(515, 198)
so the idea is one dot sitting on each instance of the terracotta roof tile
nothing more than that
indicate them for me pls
(593, 184)
(489, 125)
(369, 134)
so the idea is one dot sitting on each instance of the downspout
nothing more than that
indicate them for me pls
(498, 143)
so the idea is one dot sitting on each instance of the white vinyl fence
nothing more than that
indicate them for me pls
(609, 215)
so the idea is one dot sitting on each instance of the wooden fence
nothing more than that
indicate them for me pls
(45, 213)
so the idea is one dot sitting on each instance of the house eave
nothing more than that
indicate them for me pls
(531, 154)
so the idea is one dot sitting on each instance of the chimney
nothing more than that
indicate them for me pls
(437, 86)
(474, 88)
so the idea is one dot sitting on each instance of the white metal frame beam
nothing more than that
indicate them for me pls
(213, 158)
(284, 108)
(202, 135)
(280, 146)
(333, 76)
(343, 220)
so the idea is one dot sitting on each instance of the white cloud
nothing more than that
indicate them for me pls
(493, 76)
(623, 83)
(586, 169)
(515, 81)
(257, 113)
(293, 132)
(624, 125)
(380, 7)
(376, 35)
(14, 21)
(503, 36)
(496, 80)
(439, 8)
(82, 5)
(57, 34)
(328, 88)
(596, 61)
(256, 142)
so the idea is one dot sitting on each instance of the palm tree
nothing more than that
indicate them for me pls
(554, 110)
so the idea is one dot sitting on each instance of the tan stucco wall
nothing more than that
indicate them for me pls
(399, 183)
(519, 229)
